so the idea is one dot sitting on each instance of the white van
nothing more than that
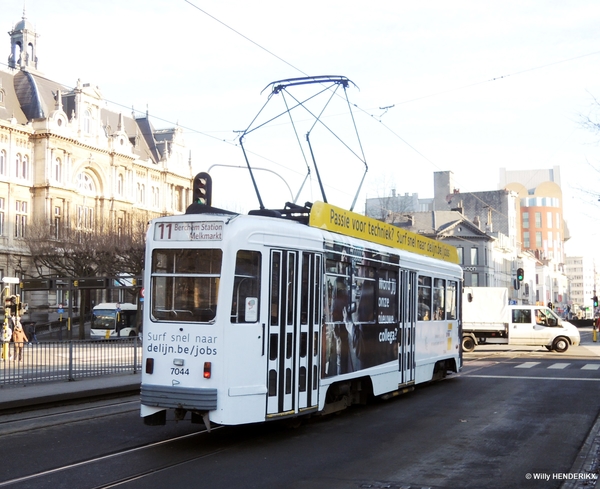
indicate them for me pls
(489, 319)
(112, 320)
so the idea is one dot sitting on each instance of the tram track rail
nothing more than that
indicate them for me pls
(52, 415)
(137, 472)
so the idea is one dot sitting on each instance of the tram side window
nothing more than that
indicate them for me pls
(451, 300)
(246, 287)
(424, 307)
(439, 291)
(185, 284)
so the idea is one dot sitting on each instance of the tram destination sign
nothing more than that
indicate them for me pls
(189, 231)
(338, 220)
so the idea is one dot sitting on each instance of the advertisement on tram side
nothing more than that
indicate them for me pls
(361, 317)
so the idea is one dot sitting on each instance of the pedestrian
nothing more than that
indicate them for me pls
(5, 337)
(31, 332)
(19, 337)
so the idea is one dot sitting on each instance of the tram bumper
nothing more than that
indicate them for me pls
(155, 399)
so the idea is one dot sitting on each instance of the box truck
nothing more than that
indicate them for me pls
(488, 318)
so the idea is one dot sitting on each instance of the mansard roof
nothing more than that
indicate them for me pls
(29, 96)
(10, 106)
(35, 94)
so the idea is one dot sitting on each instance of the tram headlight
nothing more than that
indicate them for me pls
(178, 362)
(207, 370)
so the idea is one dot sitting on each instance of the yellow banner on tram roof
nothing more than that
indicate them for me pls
(338, 220)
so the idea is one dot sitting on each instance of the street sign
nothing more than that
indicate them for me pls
(91, 283)
(36, 284)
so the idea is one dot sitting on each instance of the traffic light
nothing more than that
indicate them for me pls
(520, 274)
(595, 298)
(202, 190)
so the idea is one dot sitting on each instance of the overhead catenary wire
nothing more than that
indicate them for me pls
(387, 107)
(393, 132)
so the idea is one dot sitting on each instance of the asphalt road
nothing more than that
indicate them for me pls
(510, 419)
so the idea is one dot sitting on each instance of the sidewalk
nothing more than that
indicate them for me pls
(32, 395)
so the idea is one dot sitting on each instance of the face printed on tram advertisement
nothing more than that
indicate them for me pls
(360, 328)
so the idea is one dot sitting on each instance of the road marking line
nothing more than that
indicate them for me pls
(527, 365)
(591, 366)
(527, 377)
(559, 366)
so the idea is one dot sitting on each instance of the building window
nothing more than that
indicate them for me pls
(86, 121)
(461, 253)
(85, 183)
(58, 170)
(526, 220)
(2, 216)
(18, 162)
(526, 243)
(2, 162)
(549, 219)
(538, 239)
(474, 256)
(120, 186)
(178, 206)
(141, 193)
(57, 222)
(85, 217)
(474, 280)
(538, 219)
(20, 219)
(155, 197)
(25, 174)
(22, 167)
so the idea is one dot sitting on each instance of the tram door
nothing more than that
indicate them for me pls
(294, 325)
(408, 319)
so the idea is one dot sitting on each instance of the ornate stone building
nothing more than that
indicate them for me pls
(69, 162)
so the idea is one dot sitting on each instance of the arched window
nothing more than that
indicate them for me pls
(18, 163)
(141, 193)
(120, 185)
(25, 168)
(85, 183)
(22, 167)
(155, 197)
(86, 121)
(58, 170)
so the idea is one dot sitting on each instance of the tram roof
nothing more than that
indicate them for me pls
(322, 215)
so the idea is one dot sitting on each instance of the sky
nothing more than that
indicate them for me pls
(465, 86)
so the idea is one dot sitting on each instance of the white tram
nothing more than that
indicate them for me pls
(250, 318)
